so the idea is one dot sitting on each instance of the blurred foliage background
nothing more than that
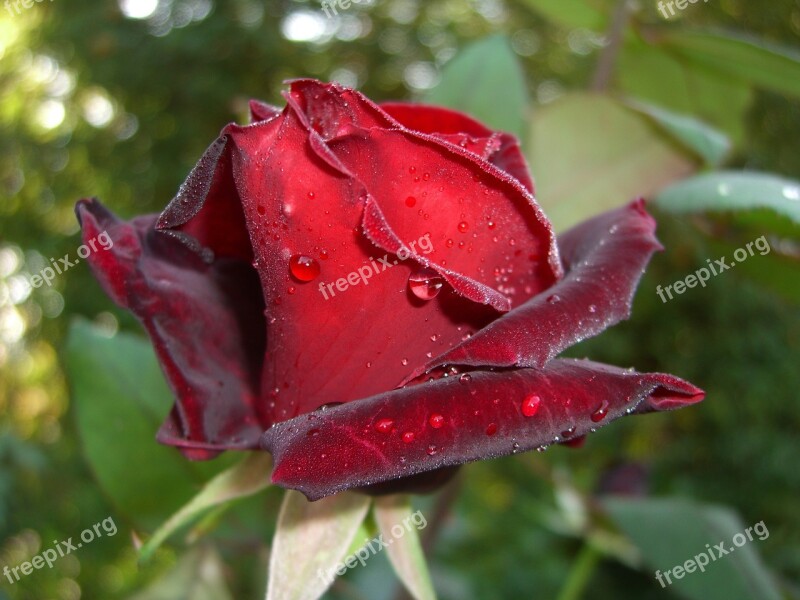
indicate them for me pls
(118, 100)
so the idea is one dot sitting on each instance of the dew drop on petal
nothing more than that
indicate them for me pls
(411, 202)
(531, 405)
(463, 226)
(303, 268)
(431, 450)
(600, 413)
(552, 299)
(568, 432)
(436, 421)
(592, 308)
(491, 429)
(465, 378)
(408, 437)
(384, 425)
(425, 283)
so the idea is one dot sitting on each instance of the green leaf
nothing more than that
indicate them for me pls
(405, 551)
(574, 13)
(670, 532)
(485, 81)
(589, 154)
(310, 542)
(120, 399)
(707, 142)
(649, 73)
(733, 190)
(246, 478)
(764, 65)
(197, 576)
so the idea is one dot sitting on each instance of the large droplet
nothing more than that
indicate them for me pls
(425, 283)
(408, 437)
(303, 268)
(436, 421)
(384, 425)
(600, 413)
(531, 405)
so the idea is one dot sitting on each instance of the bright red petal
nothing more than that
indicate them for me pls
(457, 420)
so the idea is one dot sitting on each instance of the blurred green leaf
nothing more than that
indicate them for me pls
(733, 190)
(764, 65)
(246, 478)
(485, 81)
(707, 142)
(574, 13)
(669, 532)
(120, 400)
(648, 73)
(589, 154)
(405, 552)
(311, 540)
(197, 576)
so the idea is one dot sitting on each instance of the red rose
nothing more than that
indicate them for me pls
(391, 259)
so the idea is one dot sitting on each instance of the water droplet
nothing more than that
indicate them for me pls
(408, 437)
(491, 224)
(323, 254)
(552, 299)
(463, 226)
(514, 448)
(412, 170)
(291, 290)
(261, 210)
(491, 429)
(449, 243)
(568, 432)
(431, 450)
(411, 202)
(369, 364)
(404, 362)
(436, 421)
(426, 176)
(592, 308)
(313, 432)
(531, 405)
(384, 425)
(311, 195)
(600, 413)
(425, 283)
(465, 378)
(303, 268)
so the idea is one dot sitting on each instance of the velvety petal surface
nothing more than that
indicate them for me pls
(484, 224)
(456, 420)
(498, 147)
(604, 258)
(199, 317)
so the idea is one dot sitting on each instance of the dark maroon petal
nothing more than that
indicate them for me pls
(499, 148)
(605, 258)
(203, 321)
(457, 420)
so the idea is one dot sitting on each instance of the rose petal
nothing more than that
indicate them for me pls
(458, 420)
(605, 258)
(499, 148)
(261, 111)
(200, 319)
(296, 199)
